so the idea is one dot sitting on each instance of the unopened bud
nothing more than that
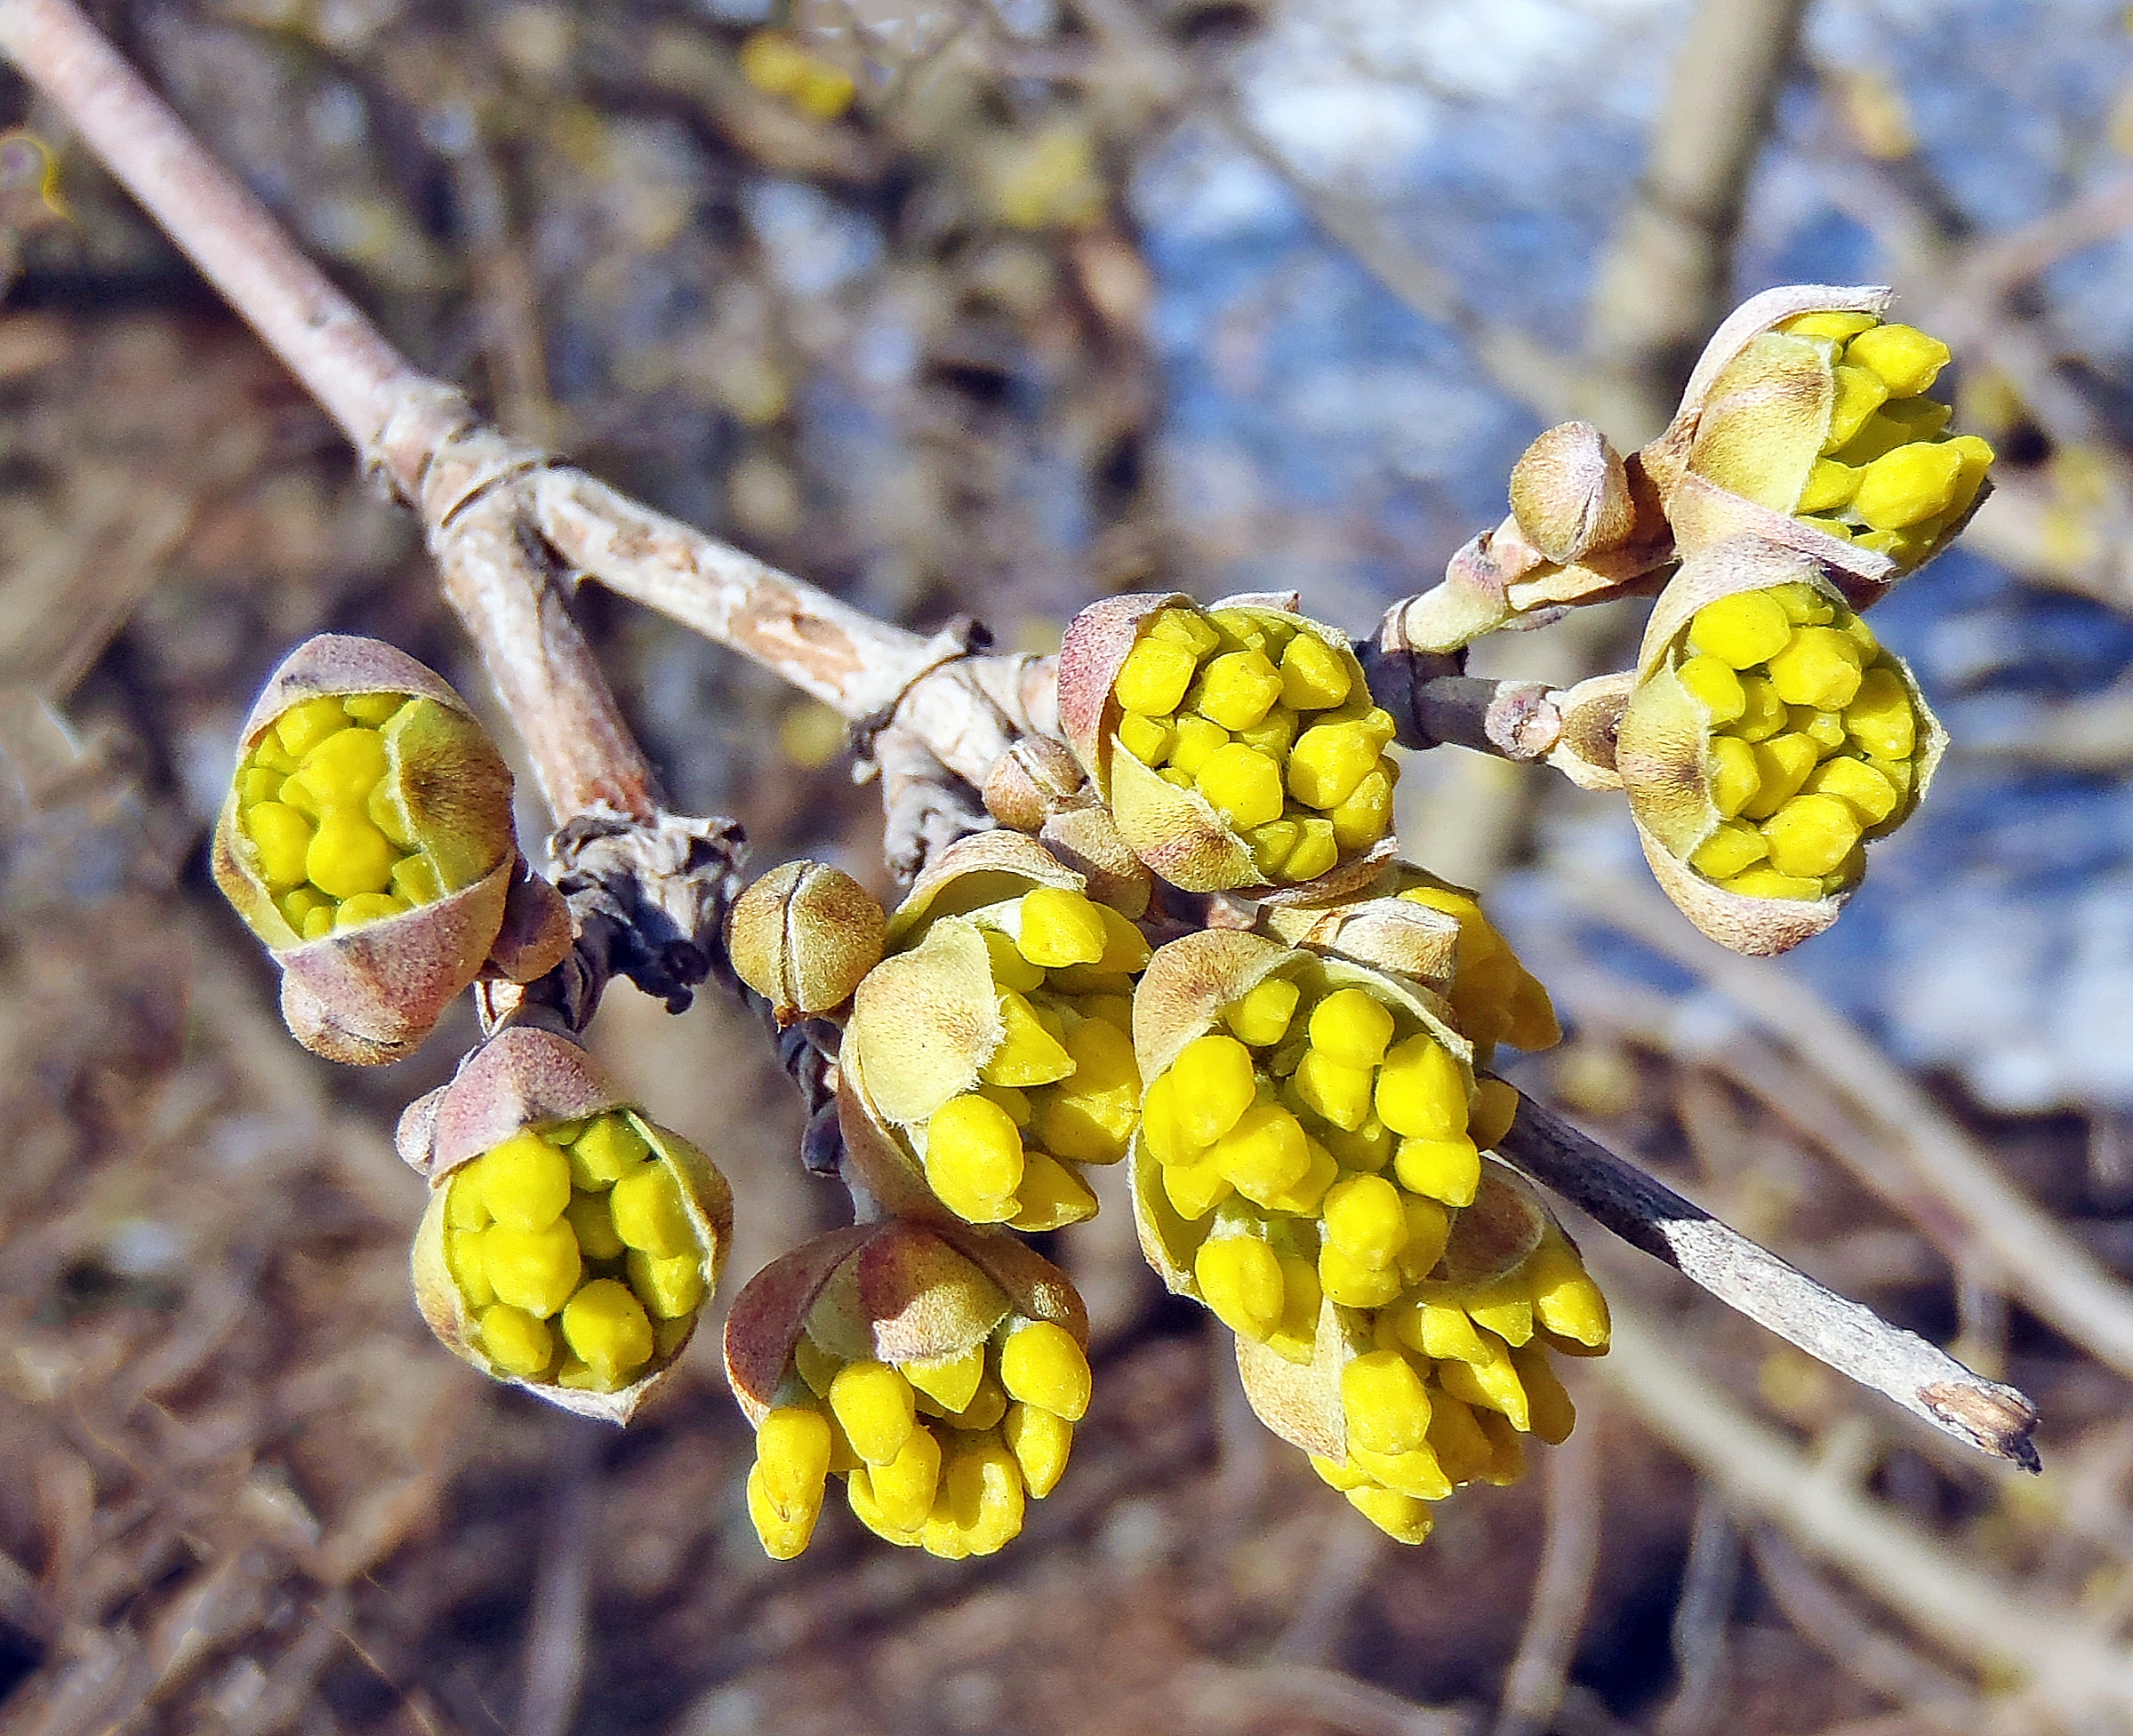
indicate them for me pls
(802, 936)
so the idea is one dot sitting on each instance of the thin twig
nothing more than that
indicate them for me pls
(1849, 1336)
(1703, 1617)
(1562, 1588)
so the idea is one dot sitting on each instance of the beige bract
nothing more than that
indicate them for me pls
(989, 1057)
(367, 840)
(938, 1370)
(1769, 738)
(1237, 746)
(570, 1243)
(1310, 1166)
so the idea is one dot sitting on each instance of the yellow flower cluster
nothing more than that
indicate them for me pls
(939, 1454)
(1061, 1089)
(318, 806)
(1888, 477)
(1267, 722)
(1813, 741)
(575, 1254)
(1456, 1374)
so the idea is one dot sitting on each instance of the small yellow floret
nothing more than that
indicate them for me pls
(649, 1214)
(416, 882)
(951, 1382)
(1729, 850)
(1154, 676)
(1261, 1016)
(1715, 686)
(1264, 1155)
(1906, 359)
(1741, 630)
(792, 1453)
(282, 838)
(1363, 819)
(1828, 324)
(605, 1150)
(1239, 689)
(1185, 626)
(1766, 712)
(1314, 677)
(1340, 1094)
(1859, 393)
(1060, 926)
(1906, 486)
(1352, 1027)
(875, 1406)
(341, 771)
(1028, 1054)
(1040, 1441)
(904, 1488)
(1830, 486)
(670, 1288)
(1329, 762)
(1211, 1087)
(1243, 785)
(533, 1270)
(974, 1158)
(1871, 795)
(525, 1182)
(1240, 1279)
(1881, 717)
(1318, 843)
(1198, 738)
(1447, 1168)
(607, 1326)
(784, 1529)
(304, 726)
(1148, 740)
(1731, 773)
(1387, 1408)
(1365, 1219)
(1421, 1093)
(348, 855)
(515, 1340)
(372, 708)
(1766, 881)
(1782, 765)
(1042, 1365)
(1811, 834)
(1819, 667)
(1090, 1116)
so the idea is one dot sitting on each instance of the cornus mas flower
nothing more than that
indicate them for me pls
(570, 1245)
(989, 1056)
(367, 840)
(1237, 746)
(939, 1370)
(1769, 739)
(1807, 423)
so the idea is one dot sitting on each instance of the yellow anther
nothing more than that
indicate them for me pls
(1550, 1410)
(1421, 1093)
(1302, 1197)
(348, 855)
(1114, 1010)
(1042, 1365)
(415, 882)
(1318, 843)
(1765, 714)
(1295, 1336)
(1329, 762)
(1830, 486)
(606, 1149)
(464, 1207)
(1240, 1279)
(988, 1404)
(1881, 717)
(387, 815)
(317, 923)
(973, 1158)
(1442, 1332)
(815, 1365)
(1040, 1443)
(1010, 968)
(905, 1487)
(859, 1491)
(524, 1181)
(648, 1212)
(1148, 740)
(1912, 484)
(1493, 1385)
(533, 1270)
(1197, 738)
(1348, 1282)
(1715, 685)
(463, 1260)
(1732, 774)
(1166, 1140)
(304, 726)
(589, 1221)
(1803, 605)
(1028, 1054)
(1741, 630)
(1782, 765)
(1458, 1438)
(1271, 845)
(1905, 358)
(980, 1507)
(1352, 1027)
(1060, 926)
(1365, 1219)
(793, 1454)
(1237, 690)
(341, 771)
(372, 708)
(1766, 881)
(1859, 393)
(1414, 1474)
(1729, 850)
(1154, 676)
(282, 838)
(1873, 797)
(948, 1382)
(515, 1340)
(1827, 324)
(1506, 1451)
(670, 1288)
(1819, 667)
(1314, 677)
(1195, 1189)
(1090, 1116)
(1429, 1229)
(1401, 1517)
(1243, 785)
(1264, 1155)
(256, 784)
(784, 1529)
(1340, 1094)
(1811, 834)
(1440, 1169)
(1510, 1319)
(607, 1327)
(1338, 1475)
(875, 1407)
(1363, 819)
(1211, 1086)
(1387, 1408)
(1566, 1298)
